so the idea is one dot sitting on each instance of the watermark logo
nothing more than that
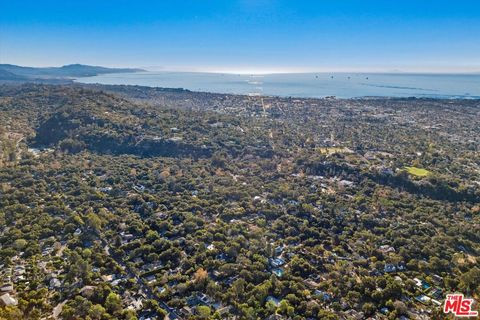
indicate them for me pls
(459, 305)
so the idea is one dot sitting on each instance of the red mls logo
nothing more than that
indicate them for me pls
(459, 306)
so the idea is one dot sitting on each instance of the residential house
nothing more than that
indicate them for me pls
(7, 300)
(277, 262)
(6, 288)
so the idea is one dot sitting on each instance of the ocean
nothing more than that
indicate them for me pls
(308, 85)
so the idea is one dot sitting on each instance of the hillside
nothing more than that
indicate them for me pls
(126, 202)
(14, 72)
(7, 75)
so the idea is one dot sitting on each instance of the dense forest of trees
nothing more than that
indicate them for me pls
(128, 202)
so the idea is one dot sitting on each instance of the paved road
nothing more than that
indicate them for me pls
(143, 284)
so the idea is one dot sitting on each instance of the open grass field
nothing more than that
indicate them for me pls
(332, 150)
(419, 172)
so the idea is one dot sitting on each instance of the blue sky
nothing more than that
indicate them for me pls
(249, 35)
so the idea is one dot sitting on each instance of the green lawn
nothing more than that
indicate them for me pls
(332, 150)
(419, 172)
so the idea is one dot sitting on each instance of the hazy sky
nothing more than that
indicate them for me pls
(228, 35)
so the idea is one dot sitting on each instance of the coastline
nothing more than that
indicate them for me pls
(305, 85)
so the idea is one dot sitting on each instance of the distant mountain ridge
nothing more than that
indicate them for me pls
(7, 75)
(20, 73)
